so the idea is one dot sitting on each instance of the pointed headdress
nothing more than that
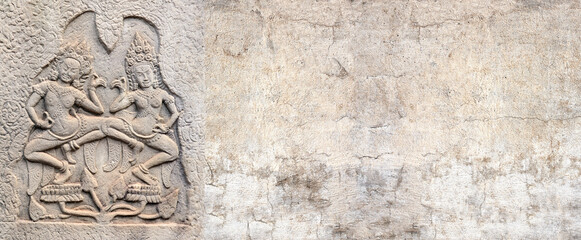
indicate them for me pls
(141, 52)
(77, 50)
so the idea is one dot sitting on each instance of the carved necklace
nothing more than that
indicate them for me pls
(61, 93)
(152, 98)
(149, 95)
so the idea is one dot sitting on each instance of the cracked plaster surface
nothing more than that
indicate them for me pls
(393, 119)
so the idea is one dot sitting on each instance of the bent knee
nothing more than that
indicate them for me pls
(111, 123)
(28, 150)
(173, 151)
(104, 126)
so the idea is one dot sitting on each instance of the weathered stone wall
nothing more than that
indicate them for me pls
(115, 202)
(403, 119)
(337, 119)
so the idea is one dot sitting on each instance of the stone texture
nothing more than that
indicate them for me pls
(339, 119)
(393, 119)
(108, 191)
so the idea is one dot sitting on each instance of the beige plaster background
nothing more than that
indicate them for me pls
(393, 119)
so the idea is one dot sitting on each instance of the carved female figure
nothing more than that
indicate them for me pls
(59, 123)
(148, 126)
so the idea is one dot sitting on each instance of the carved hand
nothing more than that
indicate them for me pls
(46, 122)
(120, 83)
(97, 81)
(160, 128)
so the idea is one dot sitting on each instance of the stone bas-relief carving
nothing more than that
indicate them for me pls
(85, 166)
(60, 129)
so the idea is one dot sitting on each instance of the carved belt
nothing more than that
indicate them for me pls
(63, 138)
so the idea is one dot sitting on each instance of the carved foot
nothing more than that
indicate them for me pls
(143, 174)
(133, 160)
(137, 147)
(36, 210)
(63, 176)
(68, 148)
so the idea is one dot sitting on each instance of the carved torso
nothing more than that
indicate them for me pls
(59, 100)
(148, 104)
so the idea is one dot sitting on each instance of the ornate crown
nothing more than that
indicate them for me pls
(140, 52)
(77, 50)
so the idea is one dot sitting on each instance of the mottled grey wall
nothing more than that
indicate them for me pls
(393, 119)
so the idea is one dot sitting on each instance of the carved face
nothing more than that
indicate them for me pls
(69, 70)
(144, 75)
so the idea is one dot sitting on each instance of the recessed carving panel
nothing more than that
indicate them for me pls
(103, 145)
(96, 123)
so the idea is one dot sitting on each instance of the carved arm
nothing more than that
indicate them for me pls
(30, 104)
(122, 101)
(173, 110)
(94, 104)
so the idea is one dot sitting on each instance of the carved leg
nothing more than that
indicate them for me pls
(64, 174)
(68, 148)
(103, 128)
(45, 158)
(137, 146)
(169, 152)
(143, 174)
(116, 128)
(98, 135)
(89, 137)
(34, 152)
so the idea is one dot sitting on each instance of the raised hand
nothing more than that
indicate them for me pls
(160, 128)
(46, 122)
(97, 81)
(120, 83)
